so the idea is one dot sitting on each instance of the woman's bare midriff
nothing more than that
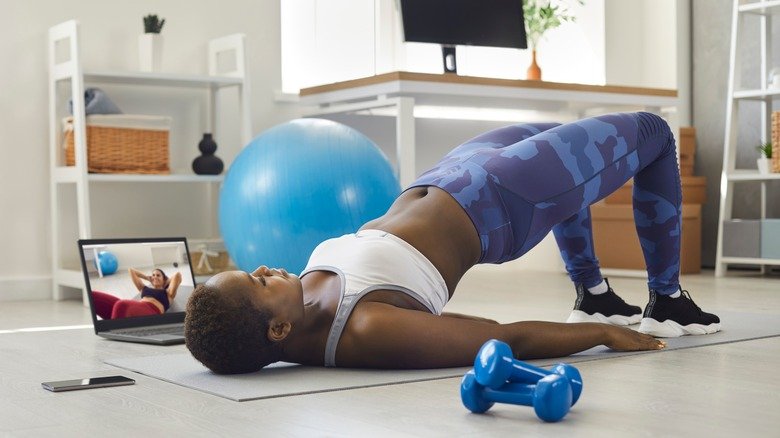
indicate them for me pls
(156, 303)
(427, 218)
(434, 223)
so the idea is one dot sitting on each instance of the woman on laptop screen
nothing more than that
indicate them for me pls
(155, 297)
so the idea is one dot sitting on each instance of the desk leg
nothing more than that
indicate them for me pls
(405, 144)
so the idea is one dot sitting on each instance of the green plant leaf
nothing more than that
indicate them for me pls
(153, 24)
(541, 16)
(765, 149)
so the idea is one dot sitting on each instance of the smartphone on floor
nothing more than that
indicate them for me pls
(94, 382)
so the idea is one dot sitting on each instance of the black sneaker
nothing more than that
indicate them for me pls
(608, 308)
(667, 317)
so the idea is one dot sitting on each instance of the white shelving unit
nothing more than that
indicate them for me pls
(765, 96)
(65, 65)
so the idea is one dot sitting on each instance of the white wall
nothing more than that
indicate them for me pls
(616, 42)
(144, 256)
(327, 41)
(109, 32)
(641, 43)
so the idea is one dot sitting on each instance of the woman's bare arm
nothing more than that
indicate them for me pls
(384, 336)
(136, 276)
(471, 317)
(173, 285)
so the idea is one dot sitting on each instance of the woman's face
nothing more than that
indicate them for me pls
(280, 292)
(271, 289)
(157, 279)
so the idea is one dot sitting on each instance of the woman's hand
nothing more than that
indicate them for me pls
(624, 339)
(141, 275)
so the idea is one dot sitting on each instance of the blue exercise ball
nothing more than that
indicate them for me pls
(108, 262)
(298, 184)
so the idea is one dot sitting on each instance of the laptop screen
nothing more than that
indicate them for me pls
(136, 282)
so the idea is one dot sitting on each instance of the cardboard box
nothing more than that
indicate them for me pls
(687, 146)
(742, 238)
(770, 238)
(617, 245)
(694, 189)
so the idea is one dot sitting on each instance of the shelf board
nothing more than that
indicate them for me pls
(69, 277)
(65, 174)
(750, 261)
(176, 178)
(761, 7)
(757, 94)
(161, 79)
(751, 175)
(69, 174)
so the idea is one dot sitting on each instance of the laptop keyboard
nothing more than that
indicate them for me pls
(151, 331)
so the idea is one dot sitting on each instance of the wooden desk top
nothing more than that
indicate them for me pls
(473, 80)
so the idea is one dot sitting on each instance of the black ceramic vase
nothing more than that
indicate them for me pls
(207, 163)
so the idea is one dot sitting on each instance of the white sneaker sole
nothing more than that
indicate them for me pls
(672, 329)
(580, 316)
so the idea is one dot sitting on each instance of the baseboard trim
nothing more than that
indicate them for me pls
(31, 288)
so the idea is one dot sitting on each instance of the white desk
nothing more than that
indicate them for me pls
(403, 90)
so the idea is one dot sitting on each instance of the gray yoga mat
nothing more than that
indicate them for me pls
(284, 379)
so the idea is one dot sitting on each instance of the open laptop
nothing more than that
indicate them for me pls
(106, 265)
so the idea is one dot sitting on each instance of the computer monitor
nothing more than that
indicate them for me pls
(489, 23)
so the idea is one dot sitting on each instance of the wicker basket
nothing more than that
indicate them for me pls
(122, 144)
(776, 141)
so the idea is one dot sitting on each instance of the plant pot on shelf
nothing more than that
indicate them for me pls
(763, 165)
(534, 72)
(150, 52)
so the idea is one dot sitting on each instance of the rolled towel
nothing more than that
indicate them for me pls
(96, 101)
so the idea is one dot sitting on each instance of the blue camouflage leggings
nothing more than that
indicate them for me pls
(519, 182)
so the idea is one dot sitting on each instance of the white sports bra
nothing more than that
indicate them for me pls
(371, 260)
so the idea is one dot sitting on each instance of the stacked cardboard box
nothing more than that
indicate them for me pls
(614, 234)
(687, 147)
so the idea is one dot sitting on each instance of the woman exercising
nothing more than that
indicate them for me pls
(375, 298)
(155, 299)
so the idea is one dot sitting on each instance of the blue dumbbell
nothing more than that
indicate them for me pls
(550, 397)
(495, 365)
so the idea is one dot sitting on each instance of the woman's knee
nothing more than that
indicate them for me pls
(652, 125)
(654, 137)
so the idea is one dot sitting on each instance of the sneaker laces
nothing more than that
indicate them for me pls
(687, 295)
(619, 298)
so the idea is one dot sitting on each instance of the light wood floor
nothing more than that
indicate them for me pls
(722, 390)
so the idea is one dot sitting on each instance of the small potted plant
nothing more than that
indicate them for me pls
(765, 157)
(150, 44)
(541, 16)
(153, 24)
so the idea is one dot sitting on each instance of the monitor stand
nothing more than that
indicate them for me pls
(448, 57)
